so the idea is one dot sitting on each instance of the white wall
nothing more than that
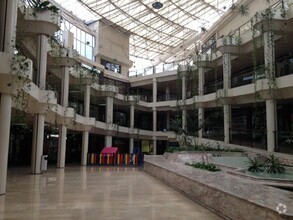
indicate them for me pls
(112, 45)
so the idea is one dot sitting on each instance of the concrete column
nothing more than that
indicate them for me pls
(167, 93)
(62, 146)
(85, 145)
(131, 140)
(184, 87)
(271, 124)
(184, 125)
(200, 93)
(154, 146)
(200, 121)
(227, 70)
(269, 54)
(184, 122)
(85, 134)
(62, 128)
(154, 120)
(37, 143)
(109, 119)
(131, 145)
(132, 116)
(168, 121)
(227, 123)
(269, 57)
(42, 61)
(8, 18)
(200, 81)
(154, 90)
(154, 131)
(108, 141)
(227, 85)
(154, 116)
(5, 117)
(39, 119)
(109, 110)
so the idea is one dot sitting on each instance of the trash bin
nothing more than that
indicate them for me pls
(44, 162)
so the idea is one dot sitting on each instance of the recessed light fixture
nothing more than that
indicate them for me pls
(157, 5)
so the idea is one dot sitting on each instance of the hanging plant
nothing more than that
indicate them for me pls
(39, 5)
(244, 10)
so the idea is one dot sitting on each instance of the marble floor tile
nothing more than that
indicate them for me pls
(95, 193)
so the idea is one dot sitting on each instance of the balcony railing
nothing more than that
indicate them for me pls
(166, 97)
(247, 77)
(213, 87)
(249, 138)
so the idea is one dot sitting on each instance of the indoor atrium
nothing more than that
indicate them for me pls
(145, 109)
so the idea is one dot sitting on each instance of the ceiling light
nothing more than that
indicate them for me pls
(157, 5)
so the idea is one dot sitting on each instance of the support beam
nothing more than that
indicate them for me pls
(131, 145)
(85, 134)
(227, 85)
(8, 18)
(200, 93)
(62, 128)
(271, 124)
(269, 57)
(39, 123)
(5, 117)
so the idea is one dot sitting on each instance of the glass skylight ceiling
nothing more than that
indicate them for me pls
(155, 33)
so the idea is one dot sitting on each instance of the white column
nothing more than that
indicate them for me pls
(154, 116)
(269, 57)
(62, 146)
(8, 19)
(154, 90)
(108, 141)
(269, 54)
(154, 130)
(155, 146)
(168, 121)
(184, 125)
(109, 110)
(227, 70)
(167, 93)
(109, 119)
(271, 124)
(131, 145)
(154, 120)
(37, 143)
(132, 116)
(85, 134)
(85, 143)
(200, 93)
(227, 85)
(39, 119)
(131, 140)
(200, 121)
(62, 128)
(5, 116)
(227, 123)
(183, 86)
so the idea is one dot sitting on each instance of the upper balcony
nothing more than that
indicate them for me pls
(34, 20)
(16, 72)
(274, 18)
(60, 56)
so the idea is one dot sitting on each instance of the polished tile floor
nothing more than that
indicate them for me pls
(94, 193)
